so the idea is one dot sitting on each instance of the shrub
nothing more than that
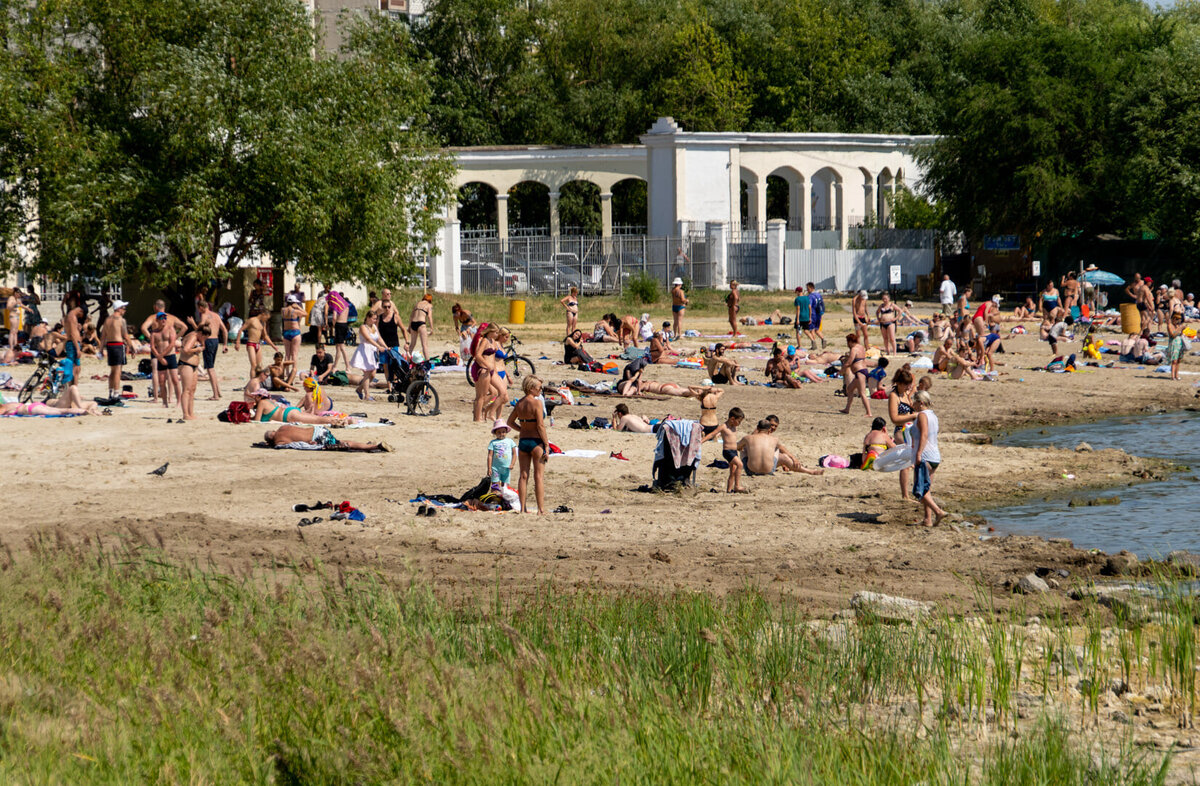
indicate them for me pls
(641, 288)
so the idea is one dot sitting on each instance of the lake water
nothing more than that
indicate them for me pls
(1152, 519)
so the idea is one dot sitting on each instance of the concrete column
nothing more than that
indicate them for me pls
(868, 202)
(452, 210)
(554, 222)
(502, 217)
(605, 214)
(806, 214)
(446, 274)
(718, 252)
(776, 252)
(758, 190)
(839, 195)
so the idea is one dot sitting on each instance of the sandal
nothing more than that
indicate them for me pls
(106, 411)
(421, 510)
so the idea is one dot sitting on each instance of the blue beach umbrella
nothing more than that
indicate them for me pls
(1102, 278)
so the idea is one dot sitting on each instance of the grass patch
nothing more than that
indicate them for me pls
(120, 666)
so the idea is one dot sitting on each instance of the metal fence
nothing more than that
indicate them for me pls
(597, 266)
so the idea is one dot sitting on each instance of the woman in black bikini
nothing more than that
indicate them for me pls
(854, 369)
(886, 314)
(709, 422)
(189, 361)
(533, 445)
(858, 313)
(571, 304)
(573, 352)
(902, 414)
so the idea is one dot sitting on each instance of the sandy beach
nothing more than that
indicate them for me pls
(815, 539)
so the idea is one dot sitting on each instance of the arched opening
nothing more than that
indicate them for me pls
(529, 209)
(753, 201)
(579, 208)
(629, 207)
(826, 208)
(887, 193)
(784, 196)
(477, 208)
(744, 204)
(778, 195)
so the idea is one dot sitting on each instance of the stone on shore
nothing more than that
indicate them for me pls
(889, 608)
(1030, 584)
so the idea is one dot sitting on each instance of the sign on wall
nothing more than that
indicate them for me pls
(1001, 242)
(267, 276)
(894, 276)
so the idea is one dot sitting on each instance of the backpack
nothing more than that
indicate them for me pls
(238, 412)
(145, 366)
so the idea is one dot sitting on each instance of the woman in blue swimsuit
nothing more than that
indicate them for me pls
(293, 312)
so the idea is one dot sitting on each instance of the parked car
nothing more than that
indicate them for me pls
(482, 277)
(517, 283)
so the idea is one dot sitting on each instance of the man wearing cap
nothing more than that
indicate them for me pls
(679, 302)
(217, 334)
(115, 335)
(160, 307)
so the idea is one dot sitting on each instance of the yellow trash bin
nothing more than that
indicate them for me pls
(516, 312)
(1131, 318)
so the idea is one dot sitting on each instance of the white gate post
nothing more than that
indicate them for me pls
(776, 252)
(718, 253)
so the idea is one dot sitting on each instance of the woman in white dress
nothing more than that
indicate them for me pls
(366, 355)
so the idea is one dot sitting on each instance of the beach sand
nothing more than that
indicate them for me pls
(815, 539)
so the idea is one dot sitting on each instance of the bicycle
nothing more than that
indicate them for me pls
(515, 364)
(46, 381)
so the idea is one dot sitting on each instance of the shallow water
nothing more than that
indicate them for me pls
(1152, 518)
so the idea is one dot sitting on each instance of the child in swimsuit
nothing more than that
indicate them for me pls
(876, 442)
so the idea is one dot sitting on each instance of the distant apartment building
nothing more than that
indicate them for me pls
(327, 13)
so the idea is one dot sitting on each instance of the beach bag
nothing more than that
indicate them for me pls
(834, 461)
(145, 366)
(238, 412)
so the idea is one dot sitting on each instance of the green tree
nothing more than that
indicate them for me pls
(702, 87)
(168, 140)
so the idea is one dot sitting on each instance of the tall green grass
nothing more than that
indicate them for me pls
(119, 666)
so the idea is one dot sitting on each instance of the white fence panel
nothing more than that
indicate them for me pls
(844, 271)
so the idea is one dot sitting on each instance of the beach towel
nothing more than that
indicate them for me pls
(579, 453)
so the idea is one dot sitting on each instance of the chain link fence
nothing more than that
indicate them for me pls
(596, 266)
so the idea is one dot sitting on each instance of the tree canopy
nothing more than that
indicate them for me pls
(166, 140)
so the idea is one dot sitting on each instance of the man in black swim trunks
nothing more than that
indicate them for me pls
(721, 369)
(115, 335)
(217, 333)
(727, 431)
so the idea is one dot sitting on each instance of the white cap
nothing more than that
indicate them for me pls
(120, 304)
(645, 317)
(677, 282)
(862, 292)
(995, 298)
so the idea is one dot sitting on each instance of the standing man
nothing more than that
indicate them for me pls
(682, 263)
(162, 345)
(679, 302)
(72, 326)
(948, 293)
(339, 311)
(115, 335)
(147, 328)
(258, 296)
(217, 333)
(733, 303)
(15, 306)
(803, 318)
(816, 305)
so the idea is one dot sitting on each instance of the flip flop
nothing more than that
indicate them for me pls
(304, 522)
(430, 512)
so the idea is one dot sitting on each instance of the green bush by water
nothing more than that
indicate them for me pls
(117, 666)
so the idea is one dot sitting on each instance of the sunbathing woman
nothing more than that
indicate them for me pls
(36, 408)
(1027, 311)
(573, 352)
(269, 411)
(604, 331)
(668, 389)
(315, 402)
(631, 376)
(947, 359)
(256, 388)
(660, 349)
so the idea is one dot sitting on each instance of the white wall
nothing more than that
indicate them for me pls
(844, 271)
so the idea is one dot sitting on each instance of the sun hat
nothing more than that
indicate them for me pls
(1090, 267)
(120, 304)
(678, 282)
(499, 425)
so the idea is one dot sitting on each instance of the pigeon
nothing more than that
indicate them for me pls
(160, 471)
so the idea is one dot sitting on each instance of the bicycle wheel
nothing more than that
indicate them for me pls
(519, 366)
(31, 384)
(422, 398)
